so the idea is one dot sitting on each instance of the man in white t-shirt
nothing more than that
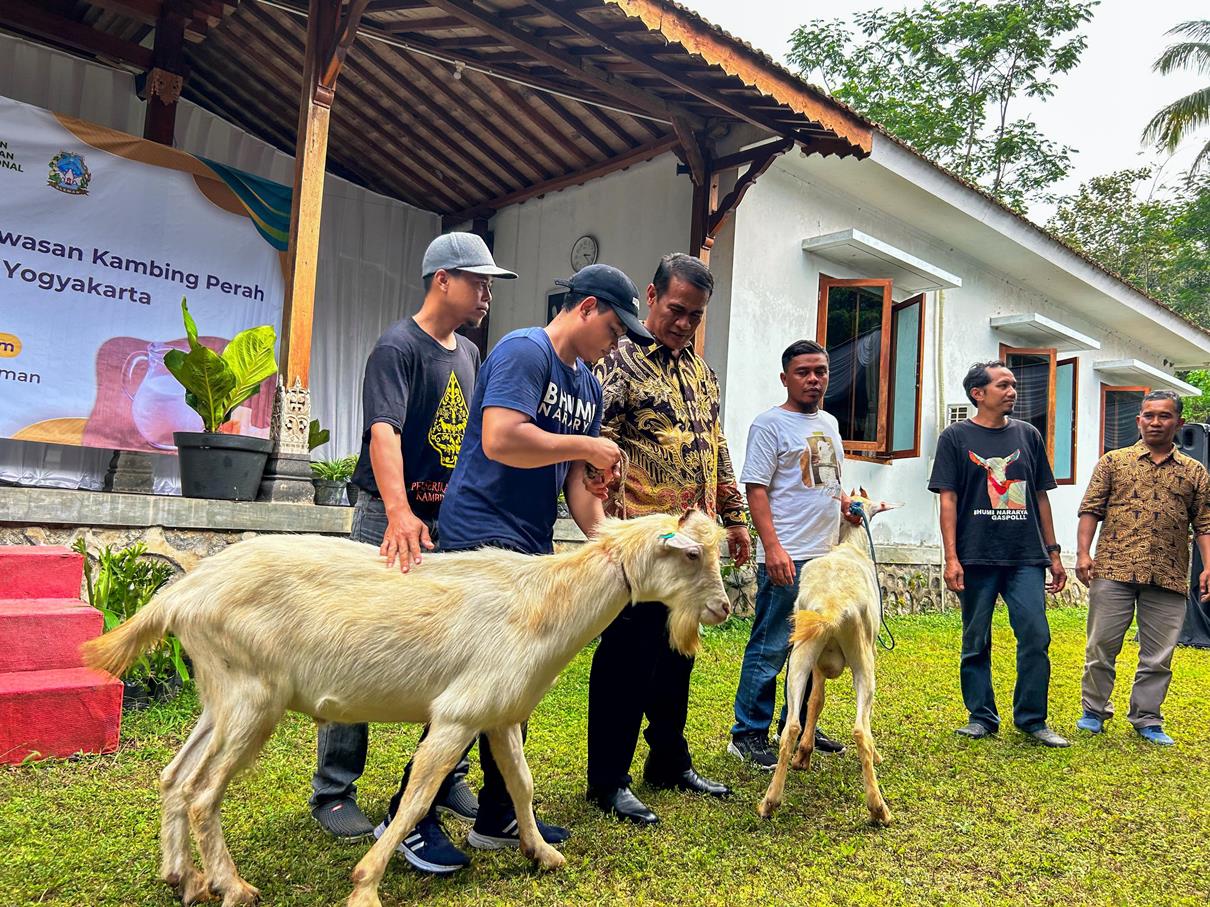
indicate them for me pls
(792, 477)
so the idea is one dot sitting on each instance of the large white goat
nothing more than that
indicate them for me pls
(466, 642)
(836, 621)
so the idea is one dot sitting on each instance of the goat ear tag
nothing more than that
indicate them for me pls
(679, 540)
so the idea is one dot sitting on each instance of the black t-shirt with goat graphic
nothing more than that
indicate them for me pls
(997, 474)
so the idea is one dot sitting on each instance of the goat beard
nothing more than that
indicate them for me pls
(683, 631)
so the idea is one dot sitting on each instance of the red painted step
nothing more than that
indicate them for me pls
(40, 571)
(38, 634)
(58, 713)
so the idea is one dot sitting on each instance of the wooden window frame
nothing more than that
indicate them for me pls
(1074, 362)
(1052, 354)
(1106, 389)
(914, 450)
(875, 447)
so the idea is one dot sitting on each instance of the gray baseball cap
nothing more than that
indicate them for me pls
(461, 252)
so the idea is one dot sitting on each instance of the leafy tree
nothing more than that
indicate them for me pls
(1157, 239)
(1197, 409)
(1186, 115)
(944, 78)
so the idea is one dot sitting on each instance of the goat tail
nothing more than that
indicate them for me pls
(810, 624)
(118, 649)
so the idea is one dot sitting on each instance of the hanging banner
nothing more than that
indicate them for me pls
(101, 235)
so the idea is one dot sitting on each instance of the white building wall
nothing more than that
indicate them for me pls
(636, 215)
(774, 295)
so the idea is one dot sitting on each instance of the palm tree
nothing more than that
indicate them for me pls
(1186, 115)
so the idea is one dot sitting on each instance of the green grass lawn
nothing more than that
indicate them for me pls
(1112, 820)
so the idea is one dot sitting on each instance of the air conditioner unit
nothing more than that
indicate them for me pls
(956, 412)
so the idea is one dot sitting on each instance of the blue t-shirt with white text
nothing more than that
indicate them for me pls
(488, 503)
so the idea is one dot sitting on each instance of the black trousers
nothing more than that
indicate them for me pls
(636, 672)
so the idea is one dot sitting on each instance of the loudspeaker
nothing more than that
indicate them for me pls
(1194, 441)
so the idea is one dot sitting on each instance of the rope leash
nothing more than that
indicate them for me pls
(889, 643)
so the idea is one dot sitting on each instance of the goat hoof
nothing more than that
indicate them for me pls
(364, 898)
(765, 809)
(194, 888)
(239, 893)
(801, 763)
(548, 858)
(880, 815)
(877, 758)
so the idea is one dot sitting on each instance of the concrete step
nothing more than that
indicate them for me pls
(40, 571)
(58, 713)
(39, 634)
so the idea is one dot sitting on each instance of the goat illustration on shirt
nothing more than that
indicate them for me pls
(1005, 493)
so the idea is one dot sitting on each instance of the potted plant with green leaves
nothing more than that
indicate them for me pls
(331, 479)
(215, 464)
(118, 584)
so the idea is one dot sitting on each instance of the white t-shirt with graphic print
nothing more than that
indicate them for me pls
(799, 458)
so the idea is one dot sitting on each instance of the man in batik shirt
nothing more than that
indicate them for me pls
(661, 406)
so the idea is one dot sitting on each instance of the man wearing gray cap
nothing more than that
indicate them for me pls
(418, 379)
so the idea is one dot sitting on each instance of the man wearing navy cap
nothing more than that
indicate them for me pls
(534, 423)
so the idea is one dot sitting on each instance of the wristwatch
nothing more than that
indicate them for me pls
(1054, 549)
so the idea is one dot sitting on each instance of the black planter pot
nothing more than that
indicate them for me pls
(329, 492)
(142, 694)
(216, 465)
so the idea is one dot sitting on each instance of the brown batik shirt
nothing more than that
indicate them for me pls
(1147, 509)
(661, 409)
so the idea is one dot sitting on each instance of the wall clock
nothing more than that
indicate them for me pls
(584, 252)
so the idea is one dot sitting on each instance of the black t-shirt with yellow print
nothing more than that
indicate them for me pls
(415, 384)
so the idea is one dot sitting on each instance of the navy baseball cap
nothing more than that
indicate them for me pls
(461, 252)
(615, 289)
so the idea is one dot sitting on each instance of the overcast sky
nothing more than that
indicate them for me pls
(1100, 108)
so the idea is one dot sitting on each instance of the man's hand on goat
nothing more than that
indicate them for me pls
(1058, 575)
(1084, 568)
(739, 544)
(954, 580)
(405, 538)
(779, 566)
(599, 483)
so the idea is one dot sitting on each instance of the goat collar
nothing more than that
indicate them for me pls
(625, 577)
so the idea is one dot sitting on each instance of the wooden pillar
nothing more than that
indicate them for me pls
(705, 198)
(331, 30)
(166, 77)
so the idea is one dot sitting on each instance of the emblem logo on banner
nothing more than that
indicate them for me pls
(69, 174)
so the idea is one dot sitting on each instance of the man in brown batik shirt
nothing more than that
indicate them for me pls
(1147, 495)
(661, 407)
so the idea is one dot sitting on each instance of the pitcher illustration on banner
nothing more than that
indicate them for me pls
(157, 402)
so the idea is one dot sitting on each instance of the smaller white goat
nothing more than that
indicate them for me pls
(466, 642)
(836, 621)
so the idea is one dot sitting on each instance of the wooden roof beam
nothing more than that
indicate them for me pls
(584, 72)
(762, 160)
(361, 99)
(608, 39)
(679, 26)
(30, 18)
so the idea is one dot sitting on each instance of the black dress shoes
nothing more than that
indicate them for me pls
(690, 781)
(825, 744)
(623, 804)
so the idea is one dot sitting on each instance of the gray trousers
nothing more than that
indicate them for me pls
(342, 747)
(1112, 606)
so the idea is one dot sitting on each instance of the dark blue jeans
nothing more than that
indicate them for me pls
(1024, 592)
(766, 653)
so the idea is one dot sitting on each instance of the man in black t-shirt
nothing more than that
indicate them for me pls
(999, 539)
(418, 384)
